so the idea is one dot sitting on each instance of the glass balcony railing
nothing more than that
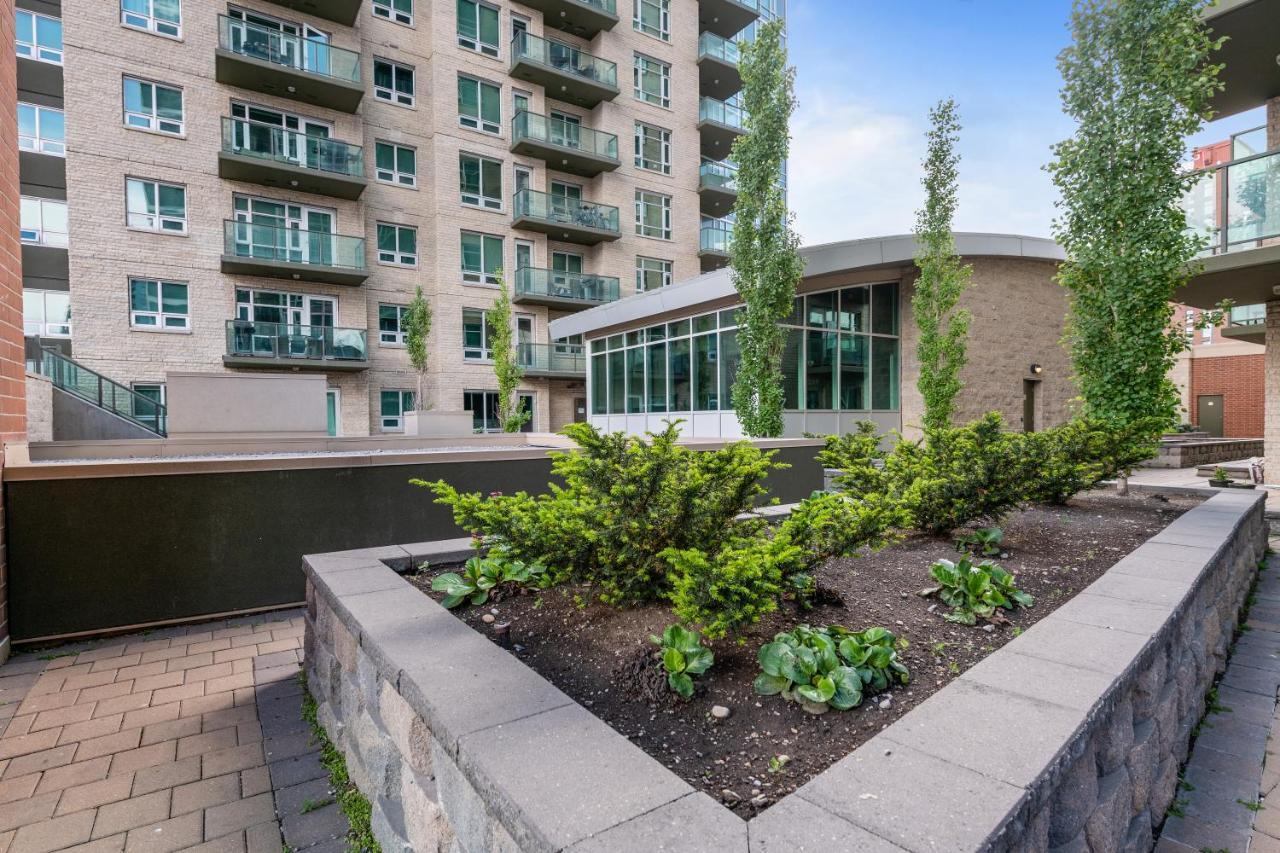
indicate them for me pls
(563, 58)
(607, 6)
(280, 244)
(564, 359)
(550, 130)
(569, 212)
(291, 148)
(714, 175)
(251, 339)
(1248, 315)
(709, 109)
(554, 284)
(715, 238)
(717, 47)
(75, 378)
(1236, 206)
(304, 54)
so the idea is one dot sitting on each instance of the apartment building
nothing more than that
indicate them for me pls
(254, 185)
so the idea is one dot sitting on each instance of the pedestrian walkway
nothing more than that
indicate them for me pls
(187, 738)
(1187, 477)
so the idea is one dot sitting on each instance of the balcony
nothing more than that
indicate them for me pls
(713, 245)
(287, 66)
(1247, 323)
(568, 219)
(1251, 74)
(718, 72)
(272, 251)
(564, 71)
(342, 11)
(564, 146)
(726, 18)
(552, 361)
(286, 159)
(564, 290)
(719, 124)
(582, 18)
(717, 187)
(295, 347)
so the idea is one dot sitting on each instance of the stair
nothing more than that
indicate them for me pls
(104, 393)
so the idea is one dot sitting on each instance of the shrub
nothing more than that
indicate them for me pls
(1081, 453)
(480, 575)
(683, 657)
(828, 525)
(975, 592)
(985, 541)
(858, 456)
(732, 588)
(829, 667)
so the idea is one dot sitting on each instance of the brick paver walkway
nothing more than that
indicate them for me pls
(170, 740)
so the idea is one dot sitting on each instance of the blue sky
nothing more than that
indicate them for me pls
(867, 74)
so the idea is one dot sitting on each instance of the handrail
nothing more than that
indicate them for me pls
(255, 339)
(304, 54)
(107, 394)
(564, 58)
(1240, 210)
(291, 146)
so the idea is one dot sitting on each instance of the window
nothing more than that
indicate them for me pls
(162, 17)
(393, 82)
(653, 215)
(391, 324)
(652, 81)
(481, 257)
(400, 11)
(46, 313)
(155, 304)
(653, 17)
(477, 335)
(394, 404)
(480, 181)
(479, 105)
(43, 221)
(39, 37)
(483, 406)
(396, 164)
(653, 148)
(478, 27)
(397, 244)
(146, 406)
(651, 274)
(153, 206)
(42, 129)
(151, 106)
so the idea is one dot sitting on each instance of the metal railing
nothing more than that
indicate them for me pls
(568, 359)
(304, 54)
(568, 211)
(716, 238)
(1236, 205)
(564, 134)
(564, 58)
(710, 109)
(716, 175)
(252, 339)
(291, 245)
(718, 47)
(1248, 315)
(610, 6)
(291, 147)
(555, 284)
(107, 394)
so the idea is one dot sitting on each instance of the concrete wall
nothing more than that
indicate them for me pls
(74, 419)
(39, 408)
(213, 404)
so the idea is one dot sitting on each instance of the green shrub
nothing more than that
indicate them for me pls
(732, 588)
(858, 456)
(829, 667)
(975, 592)
(683, 657)
(480, 575)
(1081, 453)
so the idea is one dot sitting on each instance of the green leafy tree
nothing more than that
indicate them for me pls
(417, 322)
(1138, 79)
(506, 364)
(764, 252)
(944, 329)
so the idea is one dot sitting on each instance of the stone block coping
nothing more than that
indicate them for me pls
(1068, 737)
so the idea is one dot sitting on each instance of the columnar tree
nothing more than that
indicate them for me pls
(506, 365)
(765, 252)
(943, 329)
(417, 326)
(1138, 79)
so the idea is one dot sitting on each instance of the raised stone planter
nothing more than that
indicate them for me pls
(1189, 453)
(1067, 738)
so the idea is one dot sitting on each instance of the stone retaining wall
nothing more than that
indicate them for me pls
(1068, 738)
(1189, 454)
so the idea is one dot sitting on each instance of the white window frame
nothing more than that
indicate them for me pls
(664, 269)
(38, 144)
(639, 66)
(478, 121)
(664, 19)
(480, 276)
(394, 175)
(394, 95)
(483, 48)
(398, 425)
(485, 352)
(481, 201)
(154, 222)
(148, 23)
(398, 258)
(160, 316)
(396, 338)
(643, 130)
(386, 9)
(40, 235)
(44, 324)
(643, 199)
(152, 121)
(34, 50)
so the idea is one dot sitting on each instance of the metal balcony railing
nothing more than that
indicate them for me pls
(572, 212)
(293, 51)
(107, 394)
(555, 284)
(271, 242)
(550, 130)
(560, 359)
(564, 58)
(291, 147)
(1236, 206)
(252, 339)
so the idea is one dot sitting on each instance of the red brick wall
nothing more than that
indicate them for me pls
(1240, 380)
(13, 407)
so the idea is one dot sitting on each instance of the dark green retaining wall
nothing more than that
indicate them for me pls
(97, 553)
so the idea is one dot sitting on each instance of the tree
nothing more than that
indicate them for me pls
(511, 415)
(944, 330)
(1138, 79)
(417, 326)
(765, 252)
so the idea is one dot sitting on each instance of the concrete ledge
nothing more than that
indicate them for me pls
(1069, 737)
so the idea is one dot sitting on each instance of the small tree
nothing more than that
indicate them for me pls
(764, 252)
(417, 326)
(944, 330)
(506, 365)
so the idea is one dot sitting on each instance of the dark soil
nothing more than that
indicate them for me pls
(601, 656)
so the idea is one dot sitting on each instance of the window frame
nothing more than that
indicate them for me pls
(157, 227)
(151, 24)
(642, 205)
(36, 51)
(663, 7)
(397, 337)
(664, 142)
(44, 314)
(484, 353)
(159, 315)
(481, 276)
(386, 10)
(666, 271)
(479, 122)
(41, 144)
(397, 258)
(639, 63)
(42, 232)
(395, 176)
(154, 123)
(393, 95)
(481, 201)
(404, 395)
(476, 45)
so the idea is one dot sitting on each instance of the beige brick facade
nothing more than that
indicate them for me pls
(102, 152)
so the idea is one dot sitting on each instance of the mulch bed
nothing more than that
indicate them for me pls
(602, 658)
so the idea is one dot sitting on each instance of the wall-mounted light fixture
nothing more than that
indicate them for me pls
(1036, 369)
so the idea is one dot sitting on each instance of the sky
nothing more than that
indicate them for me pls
(867, 72)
